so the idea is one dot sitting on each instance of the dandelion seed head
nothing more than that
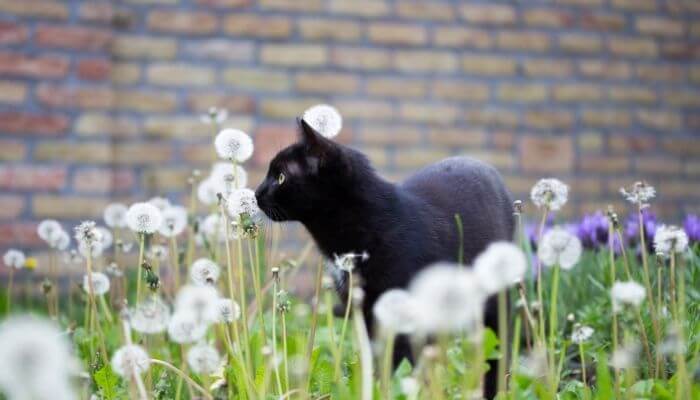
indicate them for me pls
(183, 327)
(150, 316)
(670, 239)
(100, 283)
(640, 193)
(581, 334)
(214, 115)
(534, 364)
(47, 231)
(174, 221)
(115, 215)
(161, 203)
(325, 120)
(228, 177)
(627, 293)
(559, 247)
(233, 144)
(35, 360)
(207, 191)
(157, 252)
(88, 233)
(91, 249)
(673, 343)
(129, 360)
(106, 238)
(449, 298)
(500, 266)
(243, 201)
(346, 262)
(213, 230)
(550, 193)
(229, 311)
(410, 387)
(204, 272)
(395, 311)
(625, 357)
(144, 218)
(60, 241)
(14, 258)
(200, 301)
(203, 359)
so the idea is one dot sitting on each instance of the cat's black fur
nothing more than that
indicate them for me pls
(334, 192)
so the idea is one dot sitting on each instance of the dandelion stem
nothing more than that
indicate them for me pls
(503, 339)
(174, 259)
(346, 317)
(274, 336)
(10, 284)
(365, 354)
(553, 326)
(314, 322)
(183, 375)
(142, 240)
(539, 277)
(285, 355)
(386, 368)
(647, 279)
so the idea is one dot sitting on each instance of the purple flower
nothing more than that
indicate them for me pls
(593, 230)
(631, 231)
(692, 227)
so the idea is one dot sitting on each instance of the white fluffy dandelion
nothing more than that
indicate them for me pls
(183, 328)
(627, 293)
(229, 311)
(157, 252)
(100, 283)
(214, 115)
(92, 249)
(396, 311)
(144, 218)
(130, 360)
(559, 247)
(203, 359)
(204, 272)
(325, 120)
(106, 237)
(115, 215)
(199, 301)
(151, 316)
(233, 144)
(625, 357)
(174, 221)
(47, 230)
(346, 262)
(551, 193)
(581, 334)
(243, 201)
(449, 298)
(670, 239)
(639, 193)
(229, 178)
(35, 360)
(207, 191)
(410, 387)
(14, 258)
(60, 241)
(161, 203)
(500, 266)
(88, 233)
(213, 230)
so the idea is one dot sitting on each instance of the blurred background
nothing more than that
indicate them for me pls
(100, 101)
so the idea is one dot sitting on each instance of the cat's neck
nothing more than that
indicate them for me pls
(358, 222)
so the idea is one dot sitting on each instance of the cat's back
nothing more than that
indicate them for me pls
(470, 188)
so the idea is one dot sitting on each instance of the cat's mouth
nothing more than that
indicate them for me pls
(274, 213)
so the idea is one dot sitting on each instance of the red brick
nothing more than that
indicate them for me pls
(680, 50)
(12, 33)
(271, 138)
(602, 22)
(186, 22)
(97, 11)
(11, 206)
(48, 9)
(75, 96)
(605, 164)
(72, 37)
(101, 180)
(23, 122)
(257, 25)
(634, 144)
(675, 73)
(546, 154)
(33, 67)
(25, 177)
(94, 69)
(490, 14)
(21, 234)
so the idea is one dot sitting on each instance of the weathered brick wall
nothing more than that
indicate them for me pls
(99, 100)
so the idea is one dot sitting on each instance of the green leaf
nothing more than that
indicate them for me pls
(108, 383)
(490, 345)
(605, 388)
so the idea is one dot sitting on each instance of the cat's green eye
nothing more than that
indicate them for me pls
(280, 178)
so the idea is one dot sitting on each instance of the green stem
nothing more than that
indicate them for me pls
(503, 339)
(183, 375)
(346, 317)
(388, 359)
(142, 242)
(280, 390)
(10, 288)
(553, 326)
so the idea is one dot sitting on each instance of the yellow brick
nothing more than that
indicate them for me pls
(425, 60)
(327, 83)
(463, 37)
(185, 75)
(525, 93)
(133, 46)
(12, 92)
(451, 90)
(360, 58)
(520, 40)
(393, 87)
(402, 34)
(257, 79)
(293, 55)
(430, 113)
(488, 65)
(321, 29)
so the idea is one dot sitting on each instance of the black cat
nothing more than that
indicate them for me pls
(335, 193)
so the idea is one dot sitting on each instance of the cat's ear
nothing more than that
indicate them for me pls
(315, 144)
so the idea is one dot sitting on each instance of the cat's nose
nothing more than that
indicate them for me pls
(261, 193)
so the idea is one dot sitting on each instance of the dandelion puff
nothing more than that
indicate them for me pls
(151, 316)
(174, 221)
(161, 203)
(673, 343)
(106, 238)
(100, 283)
(346, 262)
(639, 193)
(203, 359)
(670, 239)
(199, 301)
(243, 201)
(581, 334)
(559, 247)
(14, 258)
(550, 193)
(501, 265)
(233, 144)
(184, 328)
(92, 249)
(395, 311)
(60, 241)
(47, 228)
(449, 298)
(157, 252)
(325, 120)
(534, 364)
(212, 229)
(87, 232)
(229, 177)
(214, 115)
(627, 293)
(115, 215)
(207, 191)
(229, 311)
(144, 218)
(625, 357)
(129, 360)
(410, 387)
(204, 272)
(35, 360)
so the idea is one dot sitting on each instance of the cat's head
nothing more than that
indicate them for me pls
(307, 176)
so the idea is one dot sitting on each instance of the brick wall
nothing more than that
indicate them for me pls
(99, 100)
